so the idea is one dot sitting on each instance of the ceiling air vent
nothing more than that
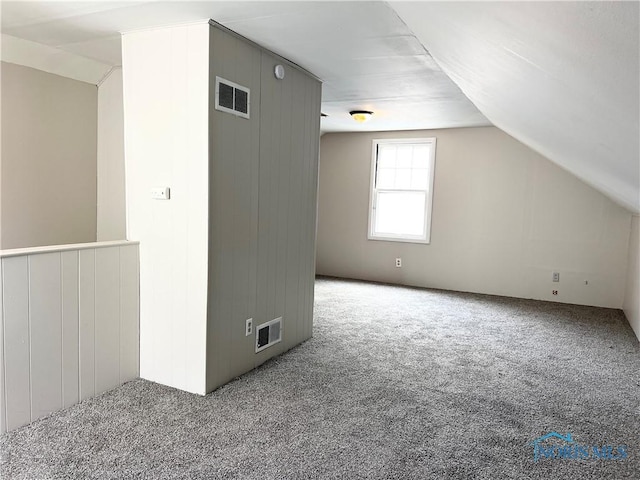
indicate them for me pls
(268, 334)
(232, 98)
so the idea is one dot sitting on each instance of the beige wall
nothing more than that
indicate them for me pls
(504, 218)
(631, 304)
(48, 159)
(111, 214)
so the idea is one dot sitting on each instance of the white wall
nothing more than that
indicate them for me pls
(48, 159)
(111, 214)
(504, 218)
(631, 304)
(69, 317)
(166, 111)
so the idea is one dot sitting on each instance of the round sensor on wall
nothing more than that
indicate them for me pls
(279, 72)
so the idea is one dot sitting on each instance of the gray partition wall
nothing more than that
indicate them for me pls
(263, 174)
(235, 146)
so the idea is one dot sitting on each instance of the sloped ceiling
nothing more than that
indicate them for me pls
(561, 77)
(365, 55)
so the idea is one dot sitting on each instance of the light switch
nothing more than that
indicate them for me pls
(160, 193)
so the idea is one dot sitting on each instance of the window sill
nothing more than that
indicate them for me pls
(420, 241)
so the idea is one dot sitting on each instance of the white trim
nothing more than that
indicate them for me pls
(425, 238)
(162, 26)
(108, 74)
(16, 252)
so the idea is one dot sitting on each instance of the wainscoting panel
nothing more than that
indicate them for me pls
(70, 329)
(15, 322)
(87, 323)
(129, 308)
(107, 319)
(45, 333)
(70, 326)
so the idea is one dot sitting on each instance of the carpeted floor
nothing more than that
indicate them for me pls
(397, 383)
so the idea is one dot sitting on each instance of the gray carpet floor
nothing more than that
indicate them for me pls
(397, 383)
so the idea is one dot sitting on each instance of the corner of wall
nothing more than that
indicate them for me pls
(110, 188)
(52, 60)
(0, 160)
(631, 306)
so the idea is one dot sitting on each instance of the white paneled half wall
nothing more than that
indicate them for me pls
(70, 326)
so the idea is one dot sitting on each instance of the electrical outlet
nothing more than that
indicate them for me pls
(398, 262)
(248, 327)
(555, 292)
(556, 276)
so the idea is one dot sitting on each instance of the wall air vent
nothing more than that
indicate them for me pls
(268, 334)
(232, 98)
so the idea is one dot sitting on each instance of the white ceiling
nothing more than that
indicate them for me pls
(365, 55)
(561, 77)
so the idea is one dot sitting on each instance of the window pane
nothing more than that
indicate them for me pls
(405, 154)
(420, 156)
(420, 179)
(399, 213)
(403, 178)
(386, 178)
(386, 156)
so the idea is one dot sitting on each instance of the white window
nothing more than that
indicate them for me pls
(402, 190)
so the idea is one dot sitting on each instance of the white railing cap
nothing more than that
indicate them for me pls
(15, 252)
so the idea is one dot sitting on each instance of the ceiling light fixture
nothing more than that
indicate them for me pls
(360, 116)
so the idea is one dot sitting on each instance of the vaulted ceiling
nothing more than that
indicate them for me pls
(561, 77)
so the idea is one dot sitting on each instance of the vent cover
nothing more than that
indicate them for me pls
(268, 334)
(232, 98)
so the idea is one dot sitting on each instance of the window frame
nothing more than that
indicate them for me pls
(425, 238)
